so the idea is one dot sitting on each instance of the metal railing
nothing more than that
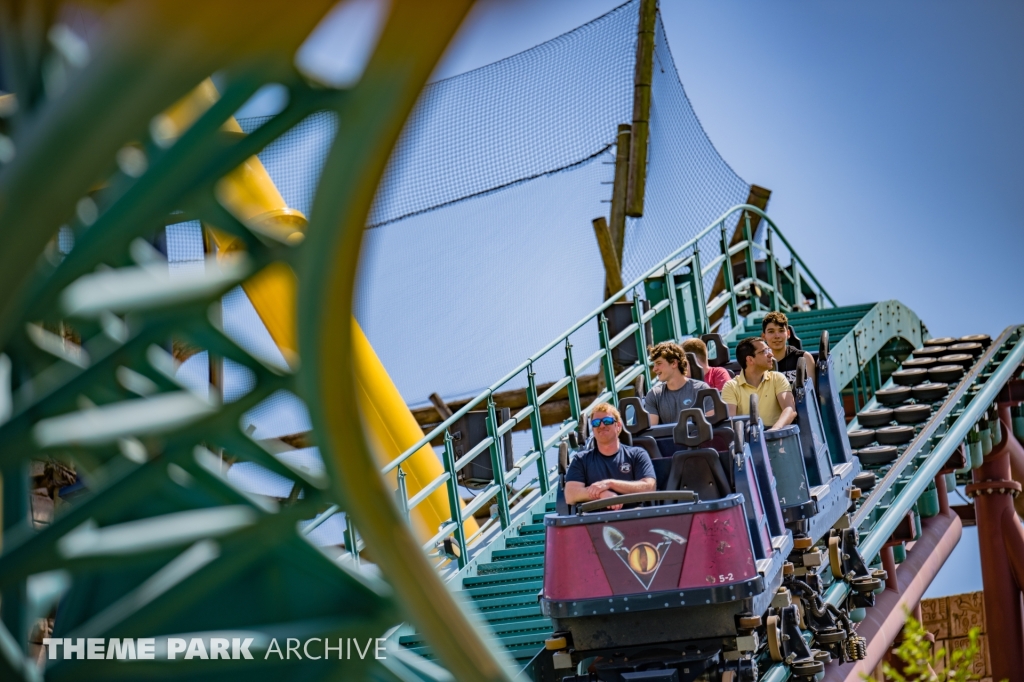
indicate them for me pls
(682, 274)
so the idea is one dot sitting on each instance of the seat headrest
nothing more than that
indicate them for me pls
(638, 416)
(711, 395)
(794, 340)
(625, 437)
(699, 471)
(696, 371)
(691, 436)
(721, 351)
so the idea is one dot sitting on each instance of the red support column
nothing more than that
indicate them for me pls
(994, 491)
(940, 489)
(889, 565)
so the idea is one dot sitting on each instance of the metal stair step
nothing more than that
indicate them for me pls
(495, 603)
(534, 639)
(517, 552)
(529, 628)
(508, 565)
(525, 541)
(507, 613)
(532, 529)
(505, 589)
(505, 577)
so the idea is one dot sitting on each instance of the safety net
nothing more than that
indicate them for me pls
(479, 248)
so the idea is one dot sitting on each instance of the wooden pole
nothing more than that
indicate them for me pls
(441, 406)
(643, 75)
(610, 258)
(620, 188)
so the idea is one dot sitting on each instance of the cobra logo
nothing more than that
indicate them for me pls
(644, 558)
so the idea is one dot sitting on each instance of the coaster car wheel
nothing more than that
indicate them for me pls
(773, 625)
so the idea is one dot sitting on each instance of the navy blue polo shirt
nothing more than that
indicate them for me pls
(630, 463)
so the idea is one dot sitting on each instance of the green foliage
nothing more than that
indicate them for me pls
(922, 664)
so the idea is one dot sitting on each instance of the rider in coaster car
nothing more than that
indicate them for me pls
(713, 376)
(774, 394)
(610, 468)
(775, 332)
(676, 392)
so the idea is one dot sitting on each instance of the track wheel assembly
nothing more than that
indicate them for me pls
(786, 643)
(831, 628)
(774, 636)
(847, 564)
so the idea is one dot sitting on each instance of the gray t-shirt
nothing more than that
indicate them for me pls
(668, 404)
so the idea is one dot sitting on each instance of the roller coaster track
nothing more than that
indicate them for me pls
(895, 498)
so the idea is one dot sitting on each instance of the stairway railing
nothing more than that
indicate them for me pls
(685, 313)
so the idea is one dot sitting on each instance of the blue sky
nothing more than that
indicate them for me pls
(889, 133)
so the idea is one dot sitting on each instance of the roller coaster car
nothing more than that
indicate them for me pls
(675, 589)
(813, 490)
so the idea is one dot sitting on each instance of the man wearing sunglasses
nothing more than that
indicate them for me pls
(610, 468)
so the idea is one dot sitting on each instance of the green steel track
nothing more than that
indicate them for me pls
(867, 341)
(162, 544)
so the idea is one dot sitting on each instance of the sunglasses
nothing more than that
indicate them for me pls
(607, 421)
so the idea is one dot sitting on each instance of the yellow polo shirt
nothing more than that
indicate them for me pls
(737, 392)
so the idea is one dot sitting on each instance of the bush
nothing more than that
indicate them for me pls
(921, 664)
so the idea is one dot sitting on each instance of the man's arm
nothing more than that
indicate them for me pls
(576, 492)
(626, 487)
(788, 405)
(729, 398)
(651, 403)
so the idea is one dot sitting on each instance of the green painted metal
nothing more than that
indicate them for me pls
(502, 581)
(857, 334)
(162, 543)
(934, 444)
